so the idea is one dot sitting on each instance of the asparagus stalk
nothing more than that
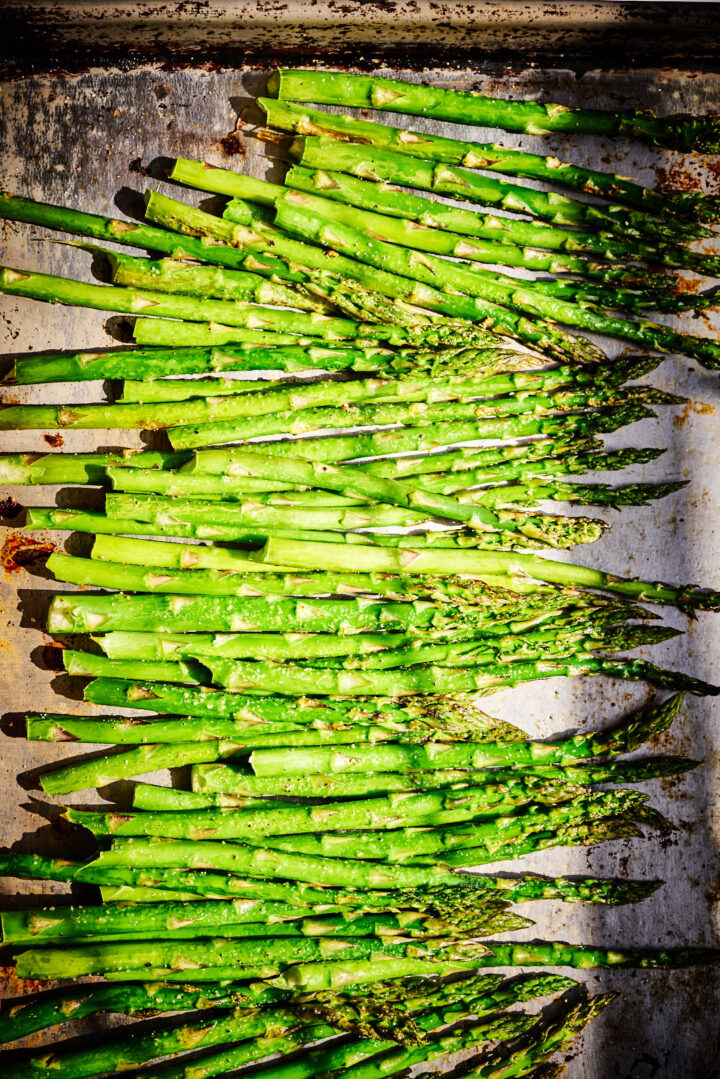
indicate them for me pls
(353, 483)
(547, 453)
(79, 613)
(546, 1040)
(65, 290)
(251, 957)
(28, 1016)
(482, 671)
(134, 234)
(628, 735)
(537, 531)
(477, 417)
(680, 132)
(491, 157)
(458, 847)
(370, 163)
(309, 976)
(220, 919)
(125, 1051)
(211, 704)
(148, 758)
(435, 808)
(176, 276)
(376, 195)
(495, 376)
(125, 883)
(223, 413)
(58, 468)
(433, 436)
(384, 1058)
(543, 335)
(251, 522)
(625, 737)
(460, 591)
(385, 560)
(240, 187)
(349, 1053)
(159, 363)
(294, 216)
(600, 289)
(419, 840)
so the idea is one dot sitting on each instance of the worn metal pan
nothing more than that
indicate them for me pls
(94, 93)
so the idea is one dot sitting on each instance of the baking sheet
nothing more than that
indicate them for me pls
(87, 140)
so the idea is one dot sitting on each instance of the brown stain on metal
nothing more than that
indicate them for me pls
(676, 177)
(19, 550)
(54, 440)
(17, 987)
(698, 408)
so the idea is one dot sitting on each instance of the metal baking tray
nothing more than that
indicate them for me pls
(93, 94)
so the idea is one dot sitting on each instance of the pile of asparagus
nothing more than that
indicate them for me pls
(316, 660)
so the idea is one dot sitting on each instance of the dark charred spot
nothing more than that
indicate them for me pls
(9, 507)
(54, 440)
(137, 166)
(162, 90)
(232, 143)
(19, 550)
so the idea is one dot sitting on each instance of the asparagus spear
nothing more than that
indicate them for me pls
(545, 1040)
(384, 1058)
(533, 457)
(462, 673)
(460, 591)
(477, 417)
(543, 335)
(381, 164)
(337, 558)
(376, 195)
(65, 290)
(627, 736)
(56, 468)
(159, 363)
(79, 613)
(176, 276)
(432, 436)
(294, 216)
(491, 157)
(125, 883)
(222, 413)
(481, 671)
(680, 132)
(28, 1016)
(210, 704)
(148, 758)
(123, 1052)
(252, 957)
(496, 375)
(348, 1053)
(251, 522)
(597, 287)
(392, 811)
(223, 919)
(134, 234)
(240, 187)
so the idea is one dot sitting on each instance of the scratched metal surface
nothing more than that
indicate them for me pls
(86, 140)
